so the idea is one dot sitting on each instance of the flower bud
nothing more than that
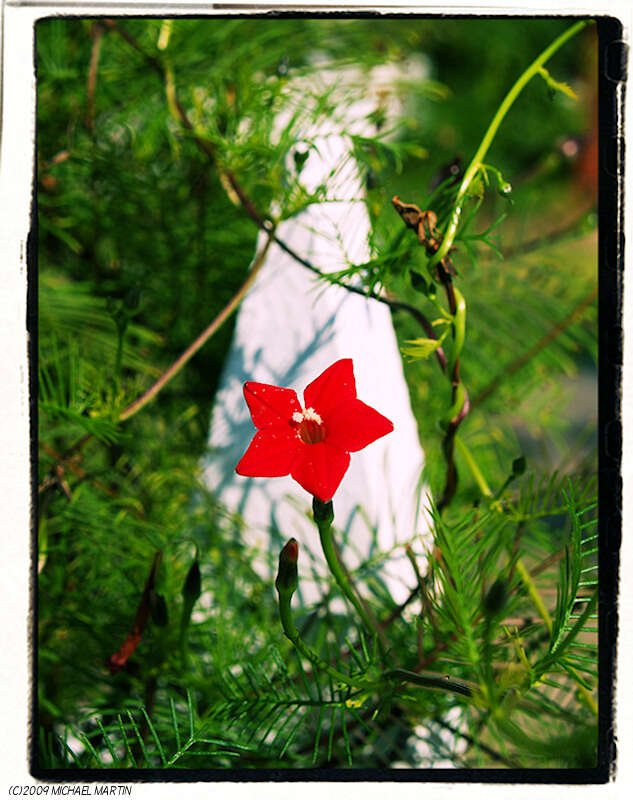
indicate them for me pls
(518, 466)
(495, 599)
(191, 590)
(287, 576)
(300, 158)
(192, 586)
(158, 609)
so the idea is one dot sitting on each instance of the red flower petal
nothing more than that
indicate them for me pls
(332, 388)
(319, 468)
(271, 453)
(270, 405)
(285, 445)
(354, 425)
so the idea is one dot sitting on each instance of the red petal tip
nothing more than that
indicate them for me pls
(291, 550)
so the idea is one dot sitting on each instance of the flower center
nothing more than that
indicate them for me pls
(310, 426)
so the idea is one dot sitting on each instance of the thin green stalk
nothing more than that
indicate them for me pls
(459, 330)
(292, 633)
(534, 593)
(476, 163)
(323, 516)
(472, 465)
(431, 681)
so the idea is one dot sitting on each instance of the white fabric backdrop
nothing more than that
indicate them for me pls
(290, 327)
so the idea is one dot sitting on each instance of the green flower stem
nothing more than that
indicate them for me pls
(323, 516)
(476, 164)
(292, 633)
(430, 681)
(472, 465)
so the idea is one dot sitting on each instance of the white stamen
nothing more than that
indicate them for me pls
(310, 413)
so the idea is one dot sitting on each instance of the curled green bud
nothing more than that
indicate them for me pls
(505, 188)
(287, 576)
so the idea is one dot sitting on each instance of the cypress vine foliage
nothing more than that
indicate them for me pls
(160, 159)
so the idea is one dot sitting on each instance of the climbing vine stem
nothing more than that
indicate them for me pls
(460, 405)
(476, 164)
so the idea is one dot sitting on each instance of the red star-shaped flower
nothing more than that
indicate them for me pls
(311, 444)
